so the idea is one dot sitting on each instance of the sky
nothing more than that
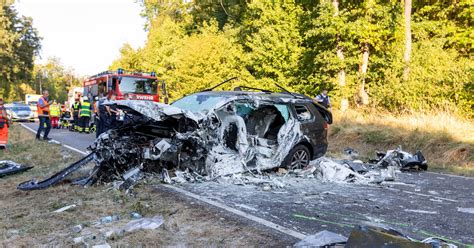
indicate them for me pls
(85, 35)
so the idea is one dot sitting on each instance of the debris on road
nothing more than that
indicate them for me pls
(8, 167)
(105, 245)
(235, 134)
(142, 223)
(198, 146)
(404, 160)
(77, 228)
(351, 152)
(60, 210)
(323, 239)
(370, 236)
(466, 210)
(421, 211)
(135, 215)
(55, 142)
(108, 219)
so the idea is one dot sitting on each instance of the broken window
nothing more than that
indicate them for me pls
(198, 102)
(303, 113)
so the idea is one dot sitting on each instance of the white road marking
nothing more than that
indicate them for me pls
(448, 175)
(259, 220)
(426, 195)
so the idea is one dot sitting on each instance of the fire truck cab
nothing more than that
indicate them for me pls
(137, 85)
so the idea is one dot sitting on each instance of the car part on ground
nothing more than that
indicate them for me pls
(370, 236)
(34, 184)
(401, 159)
(8, 167)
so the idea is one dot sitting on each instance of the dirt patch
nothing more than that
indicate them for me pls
(28, 218)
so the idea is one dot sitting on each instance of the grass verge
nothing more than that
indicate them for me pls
(28, 219)
(446, 141)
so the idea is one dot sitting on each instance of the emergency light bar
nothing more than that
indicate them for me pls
(121, 71)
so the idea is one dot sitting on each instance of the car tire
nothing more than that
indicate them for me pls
(298, 158)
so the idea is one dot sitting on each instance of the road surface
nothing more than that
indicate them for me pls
(76, 140)
(420, 205)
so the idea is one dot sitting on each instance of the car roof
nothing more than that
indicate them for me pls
(277, 97)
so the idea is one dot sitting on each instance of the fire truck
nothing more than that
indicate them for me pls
(138, 85)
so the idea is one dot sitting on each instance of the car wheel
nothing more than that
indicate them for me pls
(297, 158)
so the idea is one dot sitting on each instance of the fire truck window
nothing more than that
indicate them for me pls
(94, 89)
(114, 84)
(138, 85)
(103, 88)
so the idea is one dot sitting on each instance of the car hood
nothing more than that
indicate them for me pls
(157, 111)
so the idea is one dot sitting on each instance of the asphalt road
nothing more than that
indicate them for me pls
(77, 140)
(420, 205)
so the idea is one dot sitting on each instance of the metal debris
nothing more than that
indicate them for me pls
(65, 208)
(466, 210)
(77, 228)
(143, 223)
(403, 160)
(219, 142)
(370, 236)
(8, 167)
(322, 239)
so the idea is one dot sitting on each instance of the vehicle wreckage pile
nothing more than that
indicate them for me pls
(156, 138)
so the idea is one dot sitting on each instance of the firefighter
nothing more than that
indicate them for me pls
(3, 126)
(54, 113)
(85, 115)
(111, 112)
(96, 113)
(43, 115)
(75, 114)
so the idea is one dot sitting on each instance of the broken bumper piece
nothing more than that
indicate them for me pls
(56, 178)
(403, 160)
(8, 167)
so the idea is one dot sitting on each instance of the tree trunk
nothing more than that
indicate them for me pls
(407, 54)
(363, 97)
(341, 76)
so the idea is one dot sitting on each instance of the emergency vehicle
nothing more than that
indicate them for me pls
(138, 85)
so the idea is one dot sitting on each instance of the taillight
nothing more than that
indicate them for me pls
(325, 125)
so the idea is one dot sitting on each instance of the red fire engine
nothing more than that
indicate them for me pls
(138, 85)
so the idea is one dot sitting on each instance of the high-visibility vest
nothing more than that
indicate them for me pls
(75, 108)
(86, 109)
(42, 111)
(54, 110)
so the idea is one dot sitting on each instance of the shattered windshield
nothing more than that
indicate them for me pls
(198, 102)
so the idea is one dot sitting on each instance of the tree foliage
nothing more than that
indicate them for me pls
(55, 78)
(19, 44)
(194, 44)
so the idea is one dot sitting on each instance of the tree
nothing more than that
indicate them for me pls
(271, 37)
(55, 78)
(357, 49)
(19, 44)
(341, 76)
(406, 56)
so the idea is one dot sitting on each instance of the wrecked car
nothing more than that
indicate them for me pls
(211, 133)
